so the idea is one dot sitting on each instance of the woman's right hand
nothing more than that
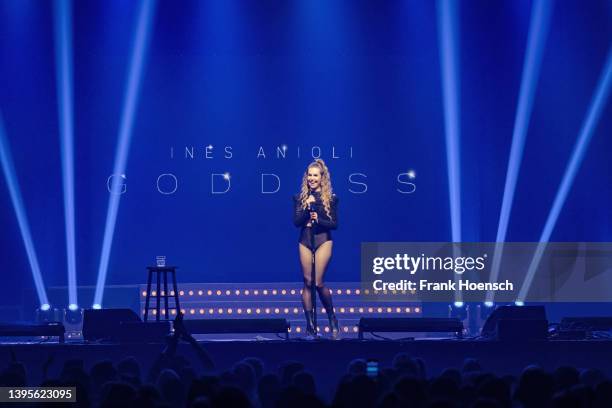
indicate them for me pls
(310, 199)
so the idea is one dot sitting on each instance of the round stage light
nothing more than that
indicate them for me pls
(45, 306)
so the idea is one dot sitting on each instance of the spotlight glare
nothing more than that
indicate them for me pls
(538, 30)
(44, 307)
(448, 37)
(596, 107)
(63, 56)
(489, 304)
(10, 175)
(458, 304)
(145, 19)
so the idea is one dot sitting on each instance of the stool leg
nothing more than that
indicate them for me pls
(147, 298)
(177, 305)
(166, 293)
(158, 297)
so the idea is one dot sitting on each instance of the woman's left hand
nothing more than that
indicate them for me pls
(314, 216)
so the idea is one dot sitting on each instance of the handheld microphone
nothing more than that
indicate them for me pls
(310, 209)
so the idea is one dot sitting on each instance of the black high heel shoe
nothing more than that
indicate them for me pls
(310, 331)
(333, 324)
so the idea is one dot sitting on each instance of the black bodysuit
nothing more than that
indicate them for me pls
(322, 228)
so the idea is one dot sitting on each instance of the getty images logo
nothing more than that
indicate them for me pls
(413, 264)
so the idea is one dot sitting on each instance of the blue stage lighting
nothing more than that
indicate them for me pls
(73, 306)
(519, 303)
(489, 304)
(47, 315)
(145, 19)
(73, 316)
(538, 30)
(63, 56)
(97, 306)
(458, 310)
(22, 219)
(598, 103)
(448, 35)
(45, 307)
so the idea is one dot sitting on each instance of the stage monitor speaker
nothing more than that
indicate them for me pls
(52, 329)
(514, 323)
(105, 324)
(590, 324)
(410, 325)
(141, 332)
(235, 326)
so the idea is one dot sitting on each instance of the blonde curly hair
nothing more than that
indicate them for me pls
(326, 187)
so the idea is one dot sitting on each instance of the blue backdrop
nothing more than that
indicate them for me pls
(350, 75)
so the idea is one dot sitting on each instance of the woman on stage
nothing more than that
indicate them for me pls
(315, 212)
